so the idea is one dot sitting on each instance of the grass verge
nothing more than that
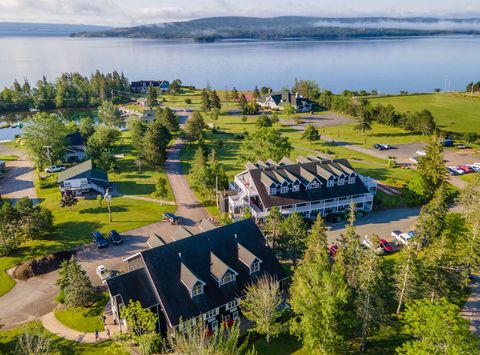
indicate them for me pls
(85, 320)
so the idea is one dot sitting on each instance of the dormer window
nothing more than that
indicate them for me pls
(227, 278)
(351, 179)
(341, 181)
(330, 183)
(273, 191)
(197, 290)
(284, 189)
(255, 267)
(314, 185)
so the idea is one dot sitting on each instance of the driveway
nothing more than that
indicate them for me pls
(35, 298)
(379, 222)
(19, 180)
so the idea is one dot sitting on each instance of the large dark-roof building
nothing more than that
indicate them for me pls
(198, 277)
(309, 186)
(142, 86)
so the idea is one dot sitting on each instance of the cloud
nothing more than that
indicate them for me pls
(130, 12)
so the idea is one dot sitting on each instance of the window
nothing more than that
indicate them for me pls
(228, 277)
(231, 304)
(341, 181)
(284, 189)
(296, 188)
(255, 266)
(330, 183)
(314, 185)
(235, 315)
(351, 180)
(197, 290)
(273, 190)
(211, 314)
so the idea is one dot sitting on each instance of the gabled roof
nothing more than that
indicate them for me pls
(206, 225)
(163, 264)
(306, 170)
(180, 233)
(133, 286)
(188, 278)
(85, 170)
(246, 256)
(75, 139)
(218, 268)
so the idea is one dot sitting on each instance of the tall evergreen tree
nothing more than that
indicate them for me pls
(293, 240)
(273, 226)
(205, 103)
(319, 300)
(152, 97)
(169, 119)
(406, 275)
(78, 290)
(109, 114)
(155, 143)
(214, 99)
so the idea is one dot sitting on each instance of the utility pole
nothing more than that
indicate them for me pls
(49, 154)
(216, 190)
(108, 197)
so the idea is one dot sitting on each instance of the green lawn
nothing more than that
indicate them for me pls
(8, 157)
(74, 228)
(452, 112)
(285, 344)
(59, 345)
(381, 134)
(85, 320)
(131, 181)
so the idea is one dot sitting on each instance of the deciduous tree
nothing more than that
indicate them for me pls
(266, 143)
(109, 114)
(311, 134)
(260, 304)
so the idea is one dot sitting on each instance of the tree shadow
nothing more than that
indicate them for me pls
(134, 188)
(103, 209)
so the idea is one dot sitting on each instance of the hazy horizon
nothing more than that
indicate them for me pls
(121, 13)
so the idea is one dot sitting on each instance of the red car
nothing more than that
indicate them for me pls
(333, 250)
(466, 169)
(385, 246)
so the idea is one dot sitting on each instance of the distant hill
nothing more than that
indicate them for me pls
(45, 29)
(288, 27)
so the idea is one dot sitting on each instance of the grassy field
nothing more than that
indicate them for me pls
(129, 180)
(452, 112)
(380, 134)
(74, 228)
(85, 320)
(59, 345)
(8, 157)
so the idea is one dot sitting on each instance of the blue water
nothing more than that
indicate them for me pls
(390, 65)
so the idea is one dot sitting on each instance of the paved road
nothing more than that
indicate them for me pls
(19, 180)
(471, 310)
(34, 298)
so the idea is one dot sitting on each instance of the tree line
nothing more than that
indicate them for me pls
(69, 90)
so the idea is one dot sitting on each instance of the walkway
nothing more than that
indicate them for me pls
(149, 199)
(51, 323)
(471, 310)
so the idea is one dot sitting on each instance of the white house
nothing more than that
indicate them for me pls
(278, 100)
(309, 186)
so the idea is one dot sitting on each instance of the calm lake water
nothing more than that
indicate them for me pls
(391, 65)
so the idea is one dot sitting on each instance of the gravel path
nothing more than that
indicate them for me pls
(471, 310)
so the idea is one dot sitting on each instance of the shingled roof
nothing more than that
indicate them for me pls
(164, 266)
(85, 170)
(307, 169)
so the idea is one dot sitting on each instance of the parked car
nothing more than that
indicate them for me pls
(452, 171)
(379, 146)
(402, 238)
(385, 246)
(171, 217)
(462, 146)
(421, 153)
(115, 237)
(448, 142)
(387, 146)
(456, 170)
(332, 249)
(99, 239)
(367, 242)
(187, 110)
(103, 273)
(414, 160)
(475, 168)
(476, 164)
(54, 169)
(466, 169)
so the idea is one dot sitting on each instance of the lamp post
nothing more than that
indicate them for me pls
(108, 197)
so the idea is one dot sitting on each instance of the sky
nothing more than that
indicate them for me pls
(136, 12)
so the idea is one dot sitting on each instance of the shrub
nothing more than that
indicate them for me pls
(471, 137)
(188, 101)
